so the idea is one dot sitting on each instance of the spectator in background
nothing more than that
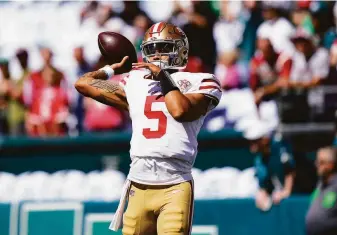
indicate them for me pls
(331, 35)
(131, 12)
(269, 70)
(197, 21)
(228, 71)
(82, 65)
(49, 109)
(252, 16)
(113, 119)
(102, 19)
(94, 111)
(141, 23)
(321, 218)
(89, 10)
(17, 109)
(333, 54)
(228, 30)
(194, 65)
(82, 68)
(300, 15)
(37, 80)
(332, 77)
(4, 96)
(310, 63)
(45, 98)
(280, 28)
(274, 166)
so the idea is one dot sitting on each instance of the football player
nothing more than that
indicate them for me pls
(167, 109)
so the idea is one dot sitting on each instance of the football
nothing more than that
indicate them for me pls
(114, 47)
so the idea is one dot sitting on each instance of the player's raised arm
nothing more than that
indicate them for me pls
(95, 85)
(182, 107)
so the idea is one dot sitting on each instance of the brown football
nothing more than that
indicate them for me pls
(114, 47)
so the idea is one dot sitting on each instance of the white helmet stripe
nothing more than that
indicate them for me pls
(156, 27)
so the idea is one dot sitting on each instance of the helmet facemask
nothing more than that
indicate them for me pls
(159, 49)
(173, 49)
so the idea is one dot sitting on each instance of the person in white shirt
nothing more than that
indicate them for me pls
(280, 28)
(228, 30)
(310, 63)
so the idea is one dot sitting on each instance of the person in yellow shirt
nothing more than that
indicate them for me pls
(16, 108)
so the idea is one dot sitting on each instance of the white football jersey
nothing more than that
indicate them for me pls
(155, 133)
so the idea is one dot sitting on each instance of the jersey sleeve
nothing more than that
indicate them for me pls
(210, 87)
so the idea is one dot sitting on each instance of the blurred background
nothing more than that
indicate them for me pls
(64, 158)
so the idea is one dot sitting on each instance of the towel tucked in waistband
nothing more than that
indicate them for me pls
(117, 221)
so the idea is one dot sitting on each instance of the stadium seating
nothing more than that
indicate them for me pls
(214, 183)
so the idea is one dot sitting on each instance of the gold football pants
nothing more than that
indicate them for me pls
(162, 210)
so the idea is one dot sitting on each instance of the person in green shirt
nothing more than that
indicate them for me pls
(321, 218)
(274, 165)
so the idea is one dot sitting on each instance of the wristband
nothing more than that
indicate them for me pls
(166, 82)
(108, 71)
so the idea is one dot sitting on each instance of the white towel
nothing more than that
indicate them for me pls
(117, 221)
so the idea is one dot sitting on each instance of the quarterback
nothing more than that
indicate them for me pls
(167, 108)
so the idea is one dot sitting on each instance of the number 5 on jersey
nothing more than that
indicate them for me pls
(156, 115)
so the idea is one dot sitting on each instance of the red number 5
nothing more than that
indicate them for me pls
(159, 115)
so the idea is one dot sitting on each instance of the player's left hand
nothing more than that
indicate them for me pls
(155, 70)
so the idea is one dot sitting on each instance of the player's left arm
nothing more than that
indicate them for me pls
(186, 107)
(182, 107)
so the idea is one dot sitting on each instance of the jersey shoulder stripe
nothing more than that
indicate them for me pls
(206, 80)
(201, 83)
(209, 87)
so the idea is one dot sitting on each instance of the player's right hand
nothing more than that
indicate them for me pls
(120, 64)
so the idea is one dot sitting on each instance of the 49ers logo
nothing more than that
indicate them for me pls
(184, 85)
